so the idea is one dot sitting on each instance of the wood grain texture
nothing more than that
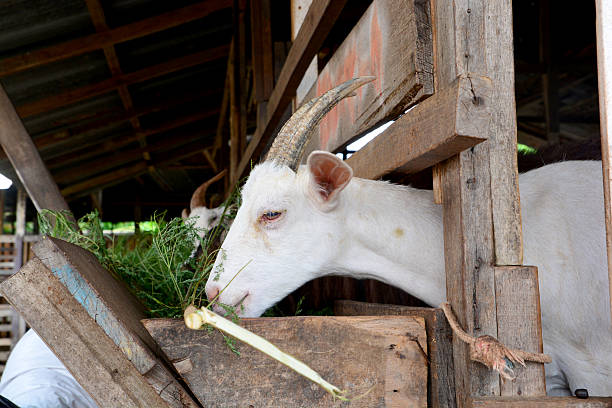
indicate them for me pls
(379, 359)
(604, 76)
(91, 356)
(519, 325)
(505, 196)
(26, 161)
(392, 41)
(437, 128)
(103, 39)
(441, 381)
(542, 402)
(117, 81)
(113, 308)
(468, 253)
(318, 22)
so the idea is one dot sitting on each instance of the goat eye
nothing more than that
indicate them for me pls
(271, 215)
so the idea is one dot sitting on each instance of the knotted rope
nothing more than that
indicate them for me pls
(490, 352)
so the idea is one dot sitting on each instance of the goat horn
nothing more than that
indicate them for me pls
(198, 199)
(290, 143)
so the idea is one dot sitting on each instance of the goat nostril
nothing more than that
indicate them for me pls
(212, 293)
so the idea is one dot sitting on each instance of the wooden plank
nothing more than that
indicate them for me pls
(99, 20)
(26, 161)
(102, 87)
(299, 9)
(380, 360)
(468, 253)
(508, 235)
(125, 173)
(89, 167)
(474, 38)
(86, 169)
(519, 325)
(421, 138)
(441, 381)
(85, 150)
(111, 306)
(604, 75)
(543, 402)
(320, 19)
(79, 132)
(393, 42)
(91, 356)
(263, 59)
(103, 39)
(550, 79)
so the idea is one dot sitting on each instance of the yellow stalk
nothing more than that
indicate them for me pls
(197, 318)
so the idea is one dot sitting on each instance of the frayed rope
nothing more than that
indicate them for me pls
(490, 352)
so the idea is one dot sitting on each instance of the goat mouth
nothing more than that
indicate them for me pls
(239, 303)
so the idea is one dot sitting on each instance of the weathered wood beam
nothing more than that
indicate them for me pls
(604, 74)
(88, 91)
(392, 41)
(125, 173)
(482, 224)
(73, 135)
(26, 160)
(86, 151)
(99, 20)
(550, 77)
(237, 67)
(90, 167)
(542, 402)
(318, 23)
(438, 128)
(263, 58)
(382, 361)
(441, 382)
(117, 35)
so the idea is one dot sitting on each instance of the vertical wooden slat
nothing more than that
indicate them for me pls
(520, 327)
(604, 74)
(507, 229)
(24, 157)
(263, 59)
(299, 9)
(482, 224)
(550, 80)
(20, 225)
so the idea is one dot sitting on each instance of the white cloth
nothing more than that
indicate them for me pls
(34, 377)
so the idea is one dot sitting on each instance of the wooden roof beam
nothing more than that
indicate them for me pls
(69, 135)
(85, 150)
(111, 84)
(117, 35)
(99, 20)
(89, 168)
(125, 173)
(319, 21)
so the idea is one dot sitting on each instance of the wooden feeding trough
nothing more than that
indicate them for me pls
(92, 323)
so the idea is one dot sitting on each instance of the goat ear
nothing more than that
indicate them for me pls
(185, 213)
(328, 175)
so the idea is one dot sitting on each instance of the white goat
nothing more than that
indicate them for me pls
(294, 227)
(205, 218)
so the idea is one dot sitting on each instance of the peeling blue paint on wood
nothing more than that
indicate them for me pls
(99, 311)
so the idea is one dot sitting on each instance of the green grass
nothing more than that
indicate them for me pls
(155, 263)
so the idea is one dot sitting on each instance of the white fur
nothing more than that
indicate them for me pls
(395, 234)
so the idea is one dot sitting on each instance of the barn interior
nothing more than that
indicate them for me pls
(132, 103)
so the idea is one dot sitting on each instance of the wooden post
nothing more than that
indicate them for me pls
(24, 157)
(482, 224)
(299, 8)
(263, 59)
(604, 75)
(17, 322)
